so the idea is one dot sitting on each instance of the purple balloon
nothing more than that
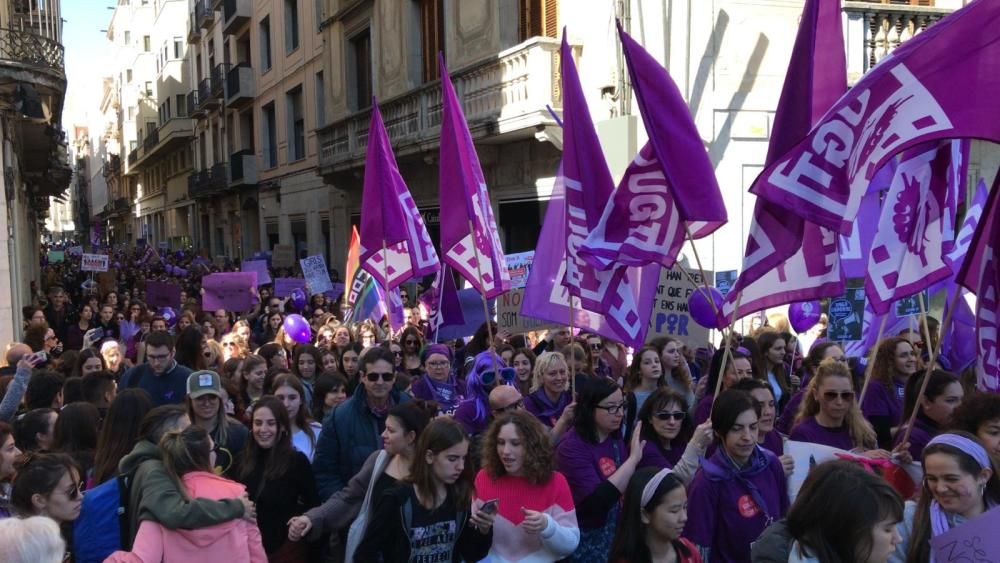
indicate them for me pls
(701, 309)
(804, 315)
(168, 315)
(297, 298)
(297, 328)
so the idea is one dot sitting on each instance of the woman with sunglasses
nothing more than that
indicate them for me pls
(817, 354)
(829, 414)
(232, 346)
(474, 412)
(736, 369)
(671, 439)
(324, 337)
(738, 491)
(412, 341)
(536, 518)
(943, 395)
(439, 383)
(206, 408)
(274, 354)
(597, 465)
(48, 485)
(895, 362)
(212, 352)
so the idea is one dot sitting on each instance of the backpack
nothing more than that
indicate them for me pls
(103, 522)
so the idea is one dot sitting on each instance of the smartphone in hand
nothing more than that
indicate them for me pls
(491, 506)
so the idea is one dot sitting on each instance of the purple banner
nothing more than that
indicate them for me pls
(162, 294)
(232, 291)
(259, 266)
(283, 287)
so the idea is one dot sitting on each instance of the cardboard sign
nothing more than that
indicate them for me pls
(75, 251)
(724, 281)
(670, 315)
(283, 256)
(519, 266)
(232, 291)
(910, 306)
(56, 256)
(94, 263)
(806, 455)
(259, 266)
(846, 316)
(509, 315)
(974, 540)
(283, 287)
(162, 294)
(316, 274)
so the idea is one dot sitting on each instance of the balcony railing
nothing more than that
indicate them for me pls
(112, 166)
(501, 95)
(205, 183)
(218, 79)
(151, 140)
(33, 50)
(878, 28)
(240, 85)
(194, 30)
(204, 13)
(243, 168)
(193, 107)
(206, 98)
(175, 131)
(234, 14)
(133, 155)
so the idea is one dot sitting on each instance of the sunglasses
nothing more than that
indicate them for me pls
(386, 376)
(411, 342)
(595, 347)
(843, 395)
(512, 407)
(667, 415)
(75, 492)
(207, 354)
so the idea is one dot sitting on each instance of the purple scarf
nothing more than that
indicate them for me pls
(546, 408)
(445, 392)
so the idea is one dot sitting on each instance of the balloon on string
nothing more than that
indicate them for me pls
(297, 298)
(804, 315)
(297, 328)
(701, 309)
(169, 315)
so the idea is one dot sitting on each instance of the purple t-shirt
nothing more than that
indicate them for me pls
(723, 514)
(880, 401)
(586, 465)
(791, 410)
(809, 430)
(774, 442)
(923, 431)
(655, 456)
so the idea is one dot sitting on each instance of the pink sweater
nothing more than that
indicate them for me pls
(236, 540)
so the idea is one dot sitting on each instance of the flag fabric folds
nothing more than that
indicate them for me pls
(442, 303)
(390, 219)
(470, 242)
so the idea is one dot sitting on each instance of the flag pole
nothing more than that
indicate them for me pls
(572, 322)
(923, 320)
(871, 361)
(727, 353)
(930, 362)
(697, 259)
(486, 307)
(385, 277)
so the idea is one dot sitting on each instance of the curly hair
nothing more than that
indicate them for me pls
(976, 410)
(539, 461)
(634, 377)
(885, 360)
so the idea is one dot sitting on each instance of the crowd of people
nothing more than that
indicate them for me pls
(130, 433)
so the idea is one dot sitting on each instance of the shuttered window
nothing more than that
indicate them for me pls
(538, 18)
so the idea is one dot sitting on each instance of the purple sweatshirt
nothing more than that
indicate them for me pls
(809, 430)
(924, 429)
(586, 466)
(880, 401)
(546, 411)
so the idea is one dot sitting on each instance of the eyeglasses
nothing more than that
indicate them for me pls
(613, 409)
(667, 415)
(397, 353)
(843, 395)
(75, 491)
(512, 407)
(207, 354)
(386, 376)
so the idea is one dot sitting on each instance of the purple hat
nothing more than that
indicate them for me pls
(436, 349)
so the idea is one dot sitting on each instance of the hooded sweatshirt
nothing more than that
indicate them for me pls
(236, 540)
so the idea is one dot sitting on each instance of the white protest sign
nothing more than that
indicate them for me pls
(94, 263)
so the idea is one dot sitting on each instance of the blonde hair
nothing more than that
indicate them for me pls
(542, 365)
(31, 540)
(862, 433)
(185, 451)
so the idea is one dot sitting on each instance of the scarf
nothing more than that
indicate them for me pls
(720, 467)
(546, 408)
(445, 392)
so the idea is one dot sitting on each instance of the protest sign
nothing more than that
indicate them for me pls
(670, 315)
(519, 266)
(163, 245)
(75, 251)
(232, 291)
(56, 256)
(283, 256)
(910, 306)
(512, 319)
(316, 274)
(975, 540)
(806, 455)
(846, 316)
(94, 263)
(724, 281)
(259, 266)
(162, 294)
(283, 287)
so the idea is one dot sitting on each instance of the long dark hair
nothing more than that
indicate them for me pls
(837, 508)
(76, 433)
(591, 393)
(438, 436)
(278, 459)
(719, 359)
(187, 349)
(936, 386)
(729, 405)
(765, 341)
(120, 431)
(303, 417)
(38, 474)
(659, 400)
(630, 534)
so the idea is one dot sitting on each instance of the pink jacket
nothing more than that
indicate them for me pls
(236, 540)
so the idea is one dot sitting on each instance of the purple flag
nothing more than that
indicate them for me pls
(957, 177)
(980, 274)
(906, 255)
(912, 97)
(469, 238)
(389, 218)
(787, 259)
(441, 302)
(958, 341)
(546, 298)
(964, 237)
(855, 248)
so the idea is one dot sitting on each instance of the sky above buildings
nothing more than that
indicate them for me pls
(87, 57)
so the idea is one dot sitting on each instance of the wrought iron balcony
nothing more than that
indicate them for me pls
(240, 86)
(176, 131)
(218, 79)
(206, 99)
(235, 13)
(205, 183)
(32, 51)
(194, 109)
(112, 166)
(151, 140)
(204, 13)
(243, 168)
(504, 95)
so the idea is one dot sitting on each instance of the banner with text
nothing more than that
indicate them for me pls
(670, 308)
(94, 263)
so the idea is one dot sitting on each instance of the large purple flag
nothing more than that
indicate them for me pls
(787, 259)
(390, 219)
(912, 97)
(469, 238)
(546, 298)
(855, 248)
(964, 237)
(442, 303)
(907, 253)
(980, 274)
(957, 175)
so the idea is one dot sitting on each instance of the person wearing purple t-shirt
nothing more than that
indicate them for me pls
(895, 361)
(438, 382)
(767, 436)
(597, 466)
(672, 441)
(739, 490)
(943, 394)
(830, 415)
(817, 354)
(735, 370)
(551, 394)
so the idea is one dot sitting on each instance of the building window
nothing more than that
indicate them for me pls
(146, 43)
(131, 113)
(178, 48)
(128, 37)
(149, 88)
(320, 100)
(291, 25)
(360, 69)
(128, 75)
(538, 18)
(431, 37)
(269, 135)
(181, 105)
(265, 44)
(296, 124)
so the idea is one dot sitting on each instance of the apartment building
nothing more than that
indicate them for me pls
(258, 67)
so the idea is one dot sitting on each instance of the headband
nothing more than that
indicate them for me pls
(650, 489)
(971, 447)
